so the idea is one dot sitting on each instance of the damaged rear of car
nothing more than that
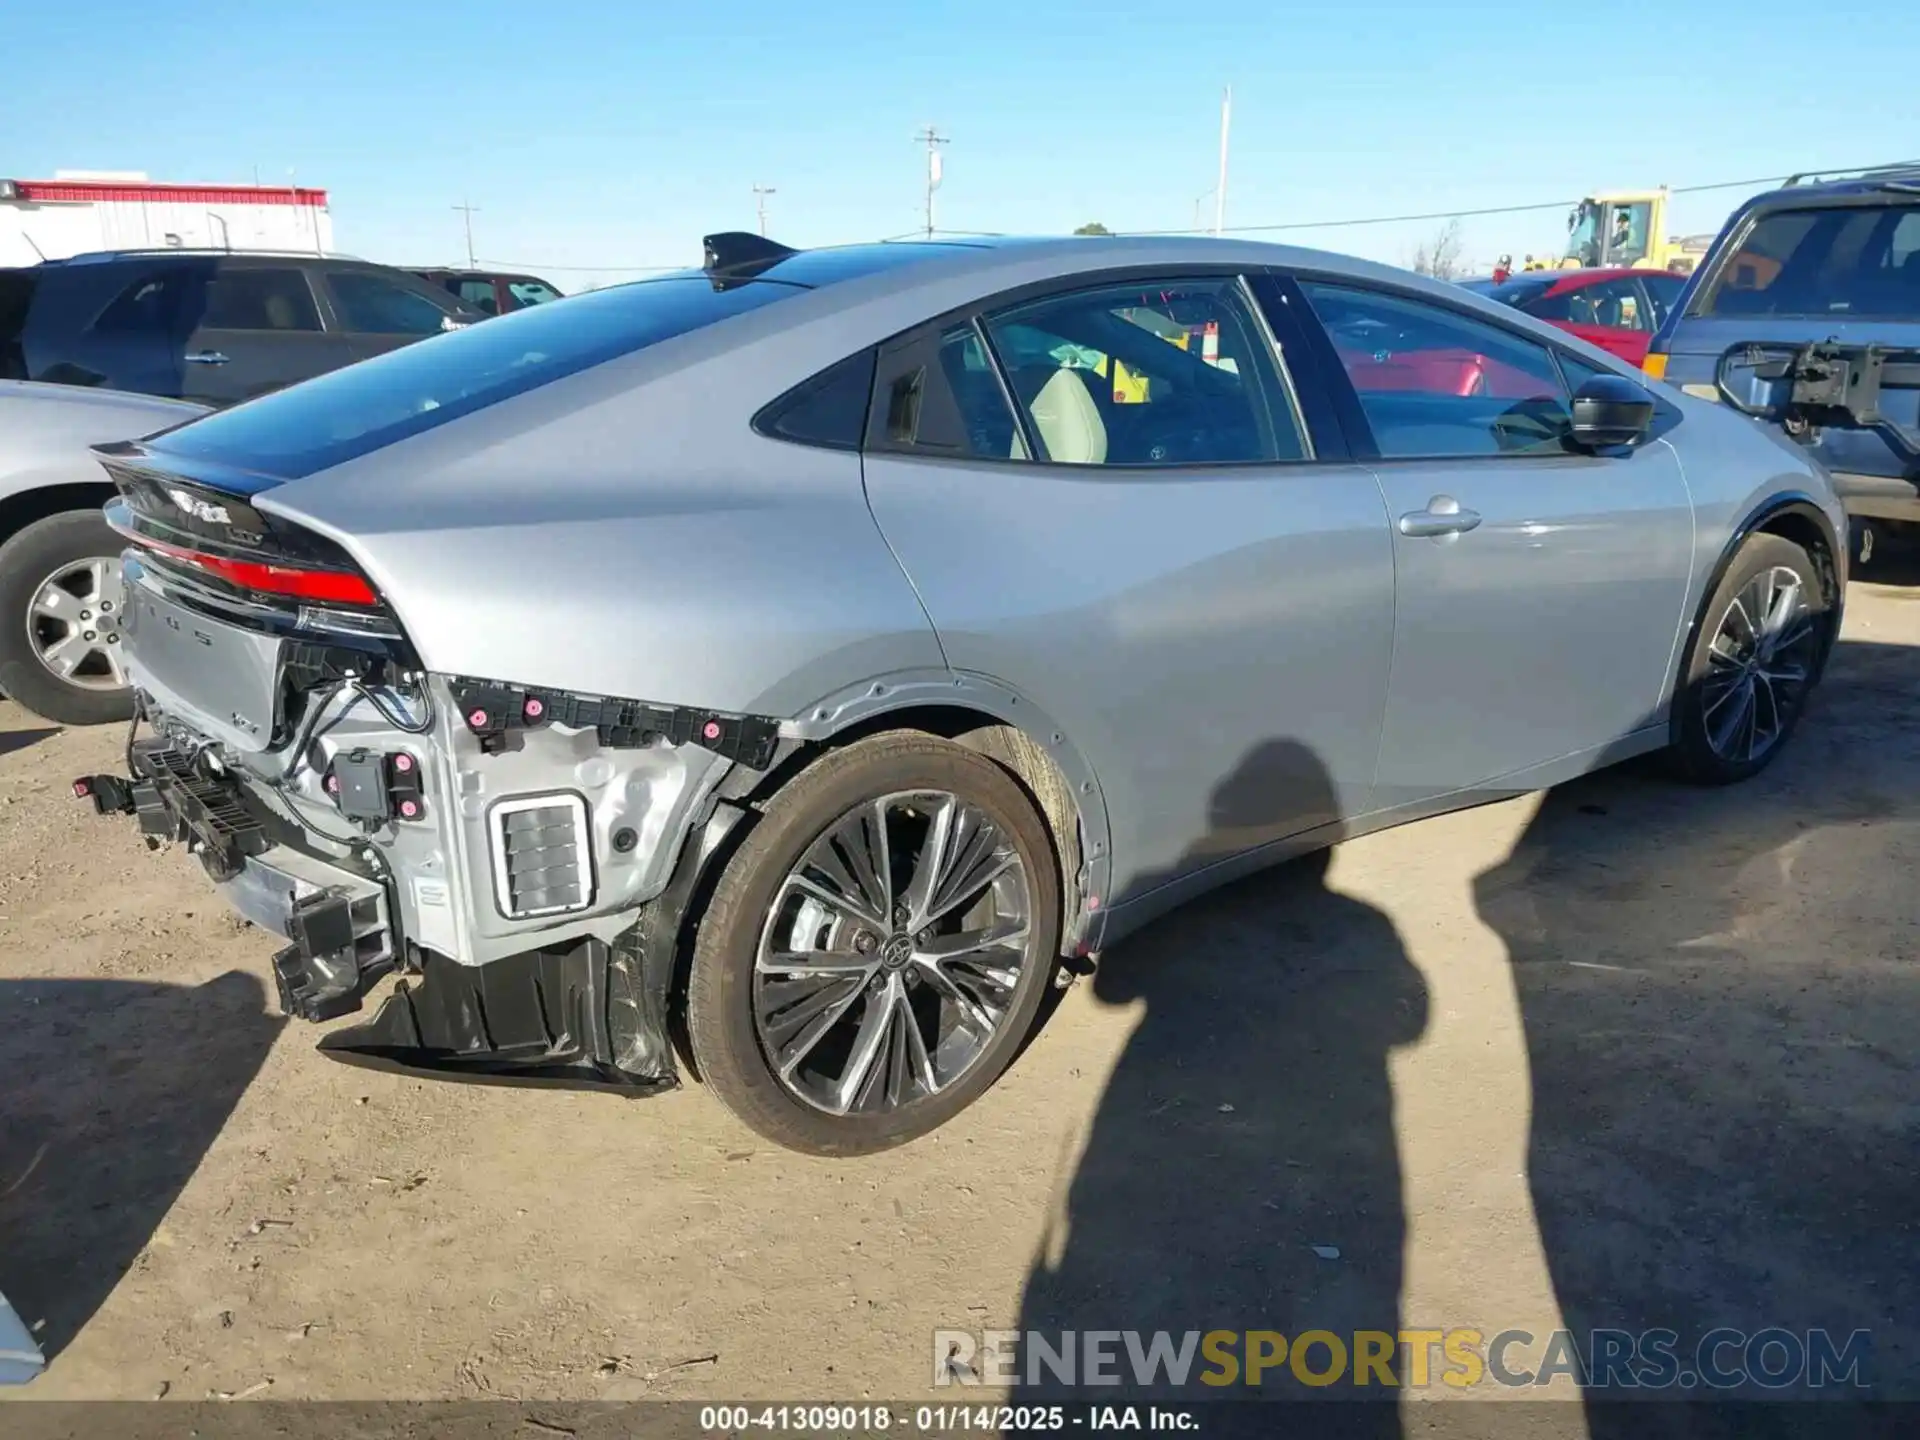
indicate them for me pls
(448, 665)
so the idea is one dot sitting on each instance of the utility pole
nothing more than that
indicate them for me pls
(760, 193)
(467, 213)
(1220, 191)
(932, 139)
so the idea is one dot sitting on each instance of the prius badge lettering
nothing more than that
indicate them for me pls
(200, 509)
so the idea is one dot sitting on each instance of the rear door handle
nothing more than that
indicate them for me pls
(1444, 515)
(207, 357)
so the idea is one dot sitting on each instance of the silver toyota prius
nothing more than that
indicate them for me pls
(777, 669)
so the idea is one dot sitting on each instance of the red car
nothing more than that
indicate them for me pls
(1617, 310)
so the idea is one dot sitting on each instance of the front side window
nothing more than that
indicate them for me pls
(1147, 373)
(1858, 263)
(246, 298)
(1614, 304)
(531, 292)
(370, 304)
(1434, 383)
(479, 294)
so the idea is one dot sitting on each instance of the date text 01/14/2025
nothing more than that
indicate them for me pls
(941, 1419)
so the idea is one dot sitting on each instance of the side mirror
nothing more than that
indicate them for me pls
(1610, 411)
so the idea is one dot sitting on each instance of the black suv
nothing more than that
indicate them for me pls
(1806, 314)
(216, 327)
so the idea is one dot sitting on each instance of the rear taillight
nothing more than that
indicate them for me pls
(292, 582)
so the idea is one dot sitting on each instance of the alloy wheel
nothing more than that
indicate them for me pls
(73, 624)
(1761, 660)
(891, 953)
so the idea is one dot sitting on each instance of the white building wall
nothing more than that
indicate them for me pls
(31, 231)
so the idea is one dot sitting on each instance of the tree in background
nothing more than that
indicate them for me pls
(1440, 256)
(1093, 227)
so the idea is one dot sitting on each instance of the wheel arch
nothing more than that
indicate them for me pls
(1792, 515)
(992, 720)
(973, 712)
(40, 502)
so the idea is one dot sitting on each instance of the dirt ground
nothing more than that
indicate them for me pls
(1630, 1055)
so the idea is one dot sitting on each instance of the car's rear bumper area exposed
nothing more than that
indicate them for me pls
(337, 922)
(581, 1014)
(575, 1018)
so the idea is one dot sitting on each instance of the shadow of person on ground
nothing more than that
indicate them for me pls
(113, 1092)
(1719, 997)
(1241, 1172)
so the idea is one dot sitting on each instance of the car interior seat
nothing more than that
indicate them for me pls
(280, 313)
(1064, 413)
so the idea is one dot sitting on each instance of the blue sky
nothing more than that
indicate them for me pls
(602, 135)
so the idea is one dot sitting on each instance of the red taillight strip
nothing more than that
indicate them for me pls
(331, 587)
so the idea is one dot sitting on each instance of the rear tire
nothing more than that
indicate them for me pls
(1756, 656)
(777, 952)
(59, 545)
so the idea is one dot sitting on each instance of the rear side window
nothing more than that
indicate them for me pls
(260, 299)
(351, 412)
(370, 304)
(1436, 383)
(1860, 263)
(153, 304)
(1663, 289)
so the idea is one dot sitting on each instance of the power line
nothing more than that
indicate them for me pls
(1534, 206)
(1442, 214)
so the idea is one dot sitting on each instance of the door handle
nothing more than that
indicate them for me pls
(207, 357)
(1443, 516)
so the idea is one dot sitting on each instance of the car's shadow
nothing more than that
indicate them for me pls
(113, 1091)
(12, 740)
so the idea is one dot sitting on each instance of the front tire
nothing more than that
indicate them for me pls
(877, 949)
(60, 613)
(1756, 656)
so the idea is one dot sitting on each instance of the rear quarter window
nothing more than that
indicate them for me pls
(348, 413)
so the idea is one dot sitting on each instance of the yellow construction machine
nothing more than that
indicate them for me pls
(1626, 228)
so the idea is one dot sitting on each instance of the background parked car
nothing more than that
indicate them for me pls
(60, 594)
(492, 292)
(215, 327)
(1830, 261)
(1616, 309)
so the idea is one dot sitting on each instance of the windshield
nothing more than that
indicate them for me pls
(350, 412)
(1859, 262)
